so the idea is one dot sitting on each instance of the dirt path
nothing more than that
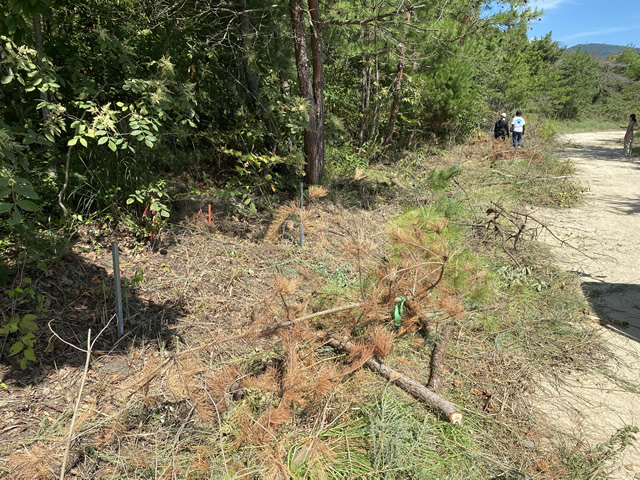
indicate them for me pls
(605, 231)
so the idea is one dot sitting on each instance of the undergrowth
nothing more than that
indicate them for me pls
(248, 386)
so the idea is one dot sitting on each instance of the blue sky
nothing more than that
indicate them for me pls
(616, 22)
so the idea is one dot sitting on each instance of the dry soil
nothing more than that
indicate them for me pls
(603, 234)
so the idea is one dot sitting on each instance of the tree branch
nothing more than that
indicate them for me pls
(414, 388)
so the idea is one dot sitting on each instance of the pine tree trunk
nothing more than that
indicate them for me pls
(310, 89)
(397, 90)
(366, 90)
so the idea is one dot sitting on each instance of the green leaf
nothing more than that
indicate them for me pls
(7, 79)
(9, 328)
(16, 218)
(136, 132)
(29, 354)
(42, 265)
(130, 201)
(72, 142)
(103, 140)
(23, 363)
(5, 207)
(16, 348)
(29, 339)
(83, 141)
(26, 191)
(112, 145)
(164, 213)
(28, 323)
(28, 205)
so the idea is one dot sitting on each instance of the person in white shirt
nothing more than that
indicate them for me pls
(517, 129)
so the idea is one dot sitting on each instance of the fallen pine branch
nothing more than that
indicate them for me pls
(265, 332)
(416, 389)
(272, 329)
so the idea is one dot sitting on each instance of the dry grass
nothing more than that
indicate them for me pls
(219, 400)
(40, 461)
(382, 341)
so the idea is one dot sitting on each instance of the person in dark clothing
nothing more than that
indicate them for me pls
(501, 129)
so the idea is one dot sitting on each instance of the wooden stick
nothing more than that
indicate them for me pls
(397, 182)
(271, 330)
(209, 214)
(437, 359)
(63, 469)
(409, 385)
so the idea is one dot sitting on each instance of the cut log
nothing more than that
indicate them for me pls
(414, 388)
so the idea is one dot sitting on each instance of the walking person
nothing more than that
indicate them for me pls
(501, 128)
(517, 129)
(628, 137)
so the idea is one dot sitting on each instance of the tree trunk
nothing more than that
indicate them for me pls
(366, 89)
(310, 89)
(315, 169)
(373, 134)
(250, 78)
(37, 33)
(397, 90)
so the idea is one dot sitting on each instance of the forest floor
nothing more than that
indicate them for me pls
(605, 254)
(199, 387)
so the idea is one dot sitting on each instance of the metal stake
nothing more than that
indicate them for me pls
(118, 288)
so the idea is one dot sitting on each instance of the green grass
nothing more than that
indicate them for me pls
(585, 126)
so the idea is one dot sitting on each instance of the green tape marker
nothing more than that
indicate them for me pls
(397, 313)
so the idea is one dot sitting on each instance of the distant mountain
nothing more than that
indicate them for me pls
(599, 49)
